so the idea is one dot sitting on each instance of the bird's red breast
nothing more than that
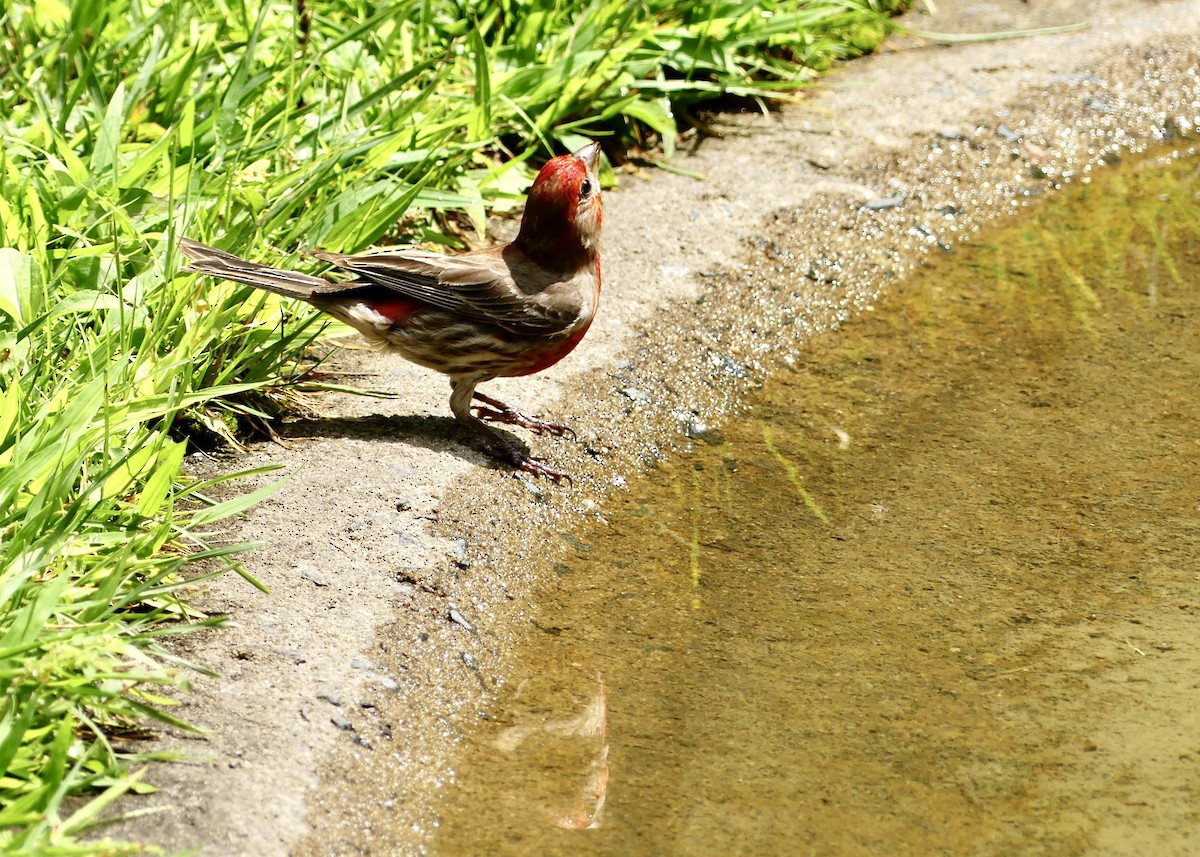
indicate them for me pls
(566, 346)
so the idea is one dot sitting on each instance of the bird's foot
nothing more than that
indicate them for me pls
(497, 412)
(501, 446)
(512, 454)
(538, 467)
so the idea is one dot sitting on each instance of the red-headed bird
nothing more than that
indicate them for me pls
(503, 311)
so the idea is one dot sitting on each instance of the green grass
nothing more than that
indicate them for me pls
(260, 127)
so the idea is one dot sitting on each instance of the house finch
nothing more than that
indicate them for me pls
(503, 311)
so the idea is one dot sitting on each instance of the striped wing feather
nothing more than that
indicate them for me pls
(479, 285)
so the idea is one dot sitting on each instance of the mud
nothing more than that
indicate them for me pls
(386, 638)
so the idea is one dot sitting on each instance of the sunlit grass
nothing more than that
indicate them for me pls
(263, 127)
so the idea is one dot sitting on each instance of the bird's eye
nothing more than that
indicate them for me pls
(585, 189)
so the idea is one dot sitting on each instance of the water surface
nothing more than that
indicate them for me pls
(935, 592)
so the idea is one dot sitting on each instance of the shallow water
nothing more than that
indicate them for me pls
(935, 591)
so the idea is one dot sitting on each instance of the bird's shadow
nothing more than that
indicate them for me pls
(438, 434)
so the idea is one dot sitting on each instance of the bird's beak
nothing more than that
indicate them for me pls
(590, 155)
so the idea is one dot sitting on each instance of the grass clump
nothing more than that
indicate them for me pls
(123, 124)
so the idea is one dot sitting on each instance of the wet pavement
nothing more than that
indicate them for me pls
(899, 606)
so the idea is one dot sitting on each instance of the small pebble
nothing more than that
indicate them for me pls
(386, 682)
(697, 429)
(459, 619)
(538, 492)
(409, 541)
(575, 543)
(312, 575)
(728, 365)
(884, 203)
(1007, 134)
(458, 552)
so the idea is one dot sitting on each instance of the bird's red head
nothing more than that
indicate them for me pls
(563, 215)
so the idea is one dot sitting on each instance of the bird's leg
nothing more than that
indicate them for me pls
(495, 444)
(498, 412)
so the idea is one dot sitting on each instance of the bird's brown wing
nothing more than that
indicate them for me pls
(498, 286)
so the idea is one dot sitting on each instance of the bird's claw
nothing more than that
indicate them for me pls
(523, 461)
(532, 422)
(537, 467)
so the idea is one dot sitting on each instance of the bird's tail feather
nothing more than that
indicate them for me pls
(226, 266)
